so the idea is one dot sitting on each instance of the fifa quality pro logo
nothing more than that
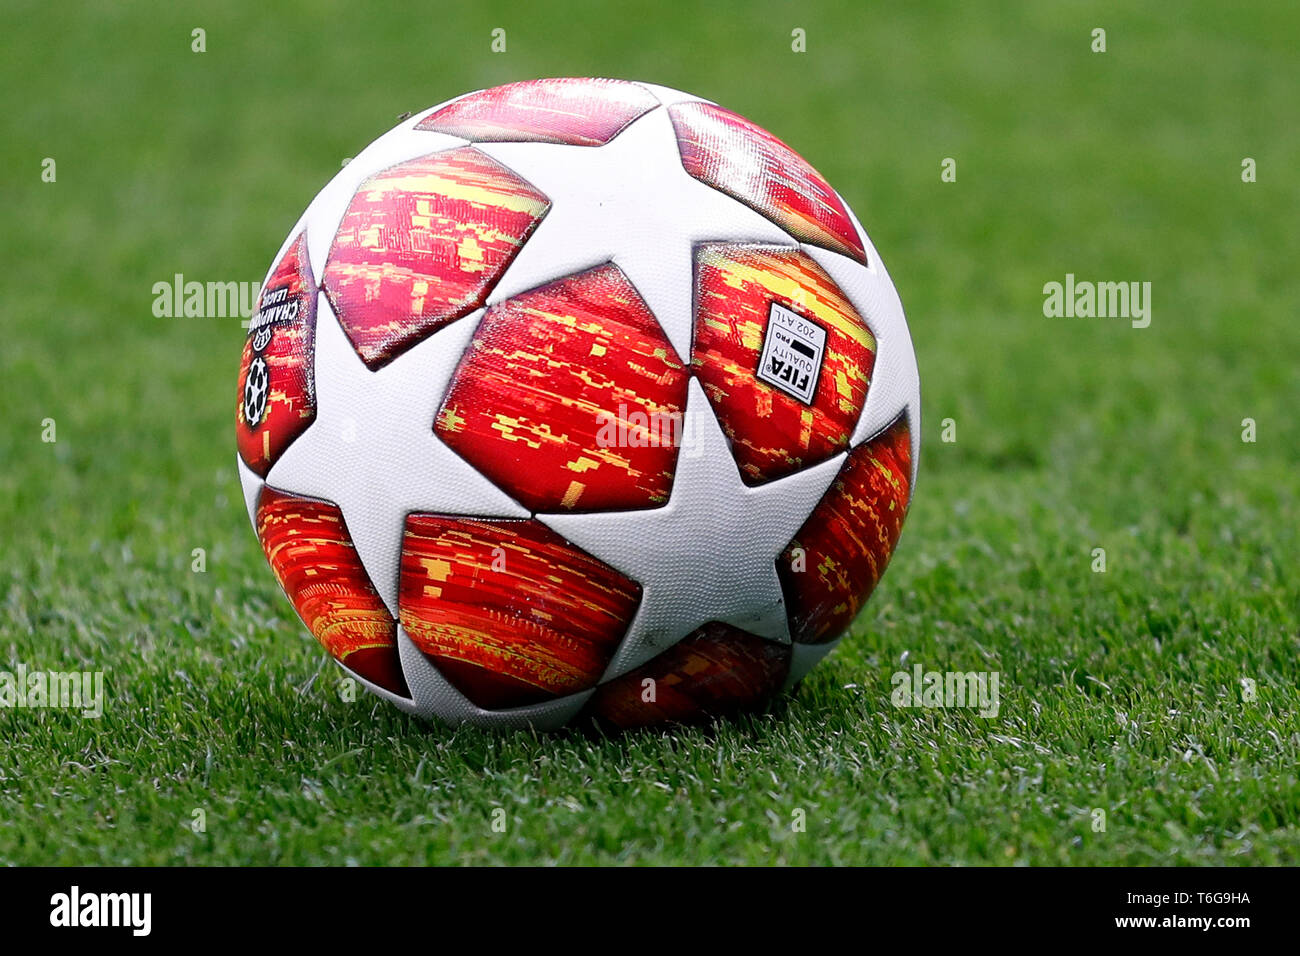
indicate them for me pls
(277, 309)
(792, 354)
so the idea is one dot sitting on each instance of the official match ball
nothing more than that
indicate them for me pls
(577, 399)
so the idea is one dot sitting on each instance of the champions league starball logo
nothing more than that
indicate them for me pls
(255, 389)
(277, 308)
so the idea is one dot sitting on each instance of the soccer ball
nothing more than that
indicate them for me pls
(577, 398)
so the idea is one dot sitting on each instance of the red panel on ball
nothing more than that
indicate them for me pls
(570, 397)
(746, 299)
(422, 244)
(311, 552)
(748, 163)
(509, 611)
(576, 112)
(835, 561)
(277, 392)
(714, 671)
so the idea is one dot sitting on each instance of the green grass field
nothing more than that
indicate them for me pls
(1126, 692)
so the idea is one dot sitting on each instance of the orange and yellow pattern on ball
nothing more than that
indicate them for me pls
(774, 434)
(836, 560)
(748, 163)
(714, 671)
(280, 341)
(311, 552)
(421, 244)
(570, 398)
(571, 111)
(508, 611)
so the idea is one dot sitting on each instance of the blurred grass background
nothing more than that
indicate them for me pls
(1121, 691)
